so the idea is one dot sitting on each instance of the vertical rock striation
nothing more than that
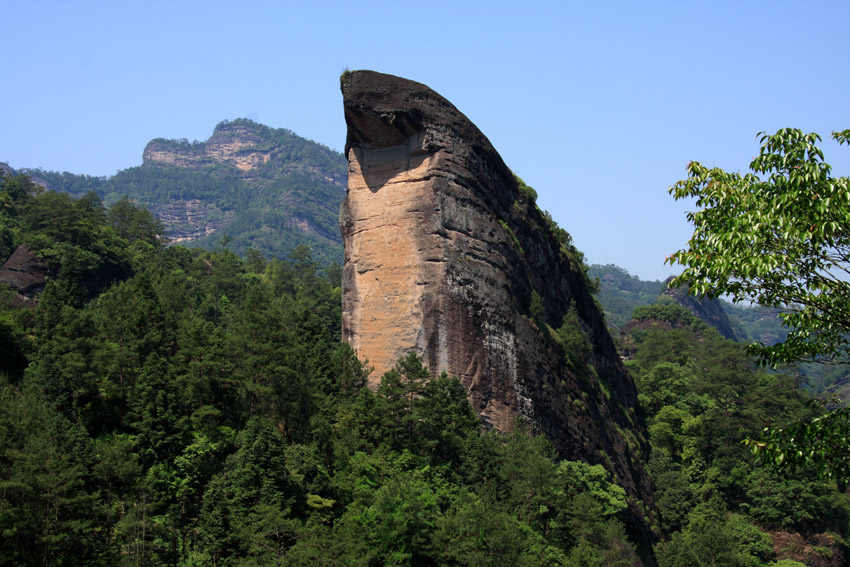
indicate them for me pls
(447, 256)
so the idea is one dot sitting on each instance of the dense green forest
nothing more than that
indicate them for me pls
(162, 405)
(702, 396)
(620, 293)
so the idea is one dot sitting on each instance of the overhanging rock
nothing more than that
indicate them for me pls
(445, 255)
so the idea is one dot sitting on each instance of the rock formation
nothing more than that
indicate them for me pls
(25, 273)
(248, 146)
(235, 143)
(707, 310)
(446, 254)
(268, 188)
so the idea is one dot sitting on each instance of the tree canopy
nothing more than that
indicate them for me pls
(161, 405)
(778, 237)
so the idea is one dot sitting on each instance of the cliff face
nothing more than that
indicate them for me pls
(191, 219)
(237, 144)
(267, 188)
(707, 310)
(444, 255)
(254, 149)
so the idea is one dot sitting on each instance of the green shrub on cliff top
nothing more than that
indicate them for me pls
(526, 190)
(345, 76)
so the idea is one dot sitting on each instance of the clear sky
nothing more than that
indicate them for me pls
(597, 105)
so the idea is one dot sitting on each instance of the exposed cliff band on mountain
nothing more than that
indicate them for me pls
(446, 256)
(262, 188)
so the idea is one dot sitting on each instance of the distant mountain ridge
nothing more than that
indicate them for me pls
(710, 311)
(620, 293)
(249, 185)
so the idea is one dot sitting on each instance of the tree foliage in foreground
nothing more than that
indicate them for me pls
(196, 409)
(780, 237)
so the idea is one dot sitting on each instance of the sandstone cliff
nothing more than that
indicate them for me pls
(265, 188)
(236, 143)
(248, 146)
(446, 256)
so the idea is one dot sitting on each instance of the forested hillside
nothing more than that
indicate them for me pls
(173, 406)
(620, 293)
(252, 186)
(702, 397)
(170, 406)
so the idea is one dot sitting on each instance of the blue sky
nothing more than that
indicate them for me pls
(598, 105)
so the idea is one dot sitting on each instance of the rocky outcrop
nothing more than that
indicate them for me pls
(249, 146)
(25, 273)
(446, 256)
(813, 550)
(234, 143)
(189, 220)
(265, 188)
(707, 310)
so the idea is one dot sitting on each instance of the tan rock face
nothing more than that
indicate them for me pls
(235, 144)
(191, 219)
(388, 270)
(444, 256)
(402, 287)
(274, 188)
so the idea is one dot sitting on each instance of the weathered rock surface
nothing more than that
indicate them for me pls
(191, 219)
(446, 257)
(25, 273)
(813, 550)
(268, 188)
(707, 310)
(236, 144)
(249, 147)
